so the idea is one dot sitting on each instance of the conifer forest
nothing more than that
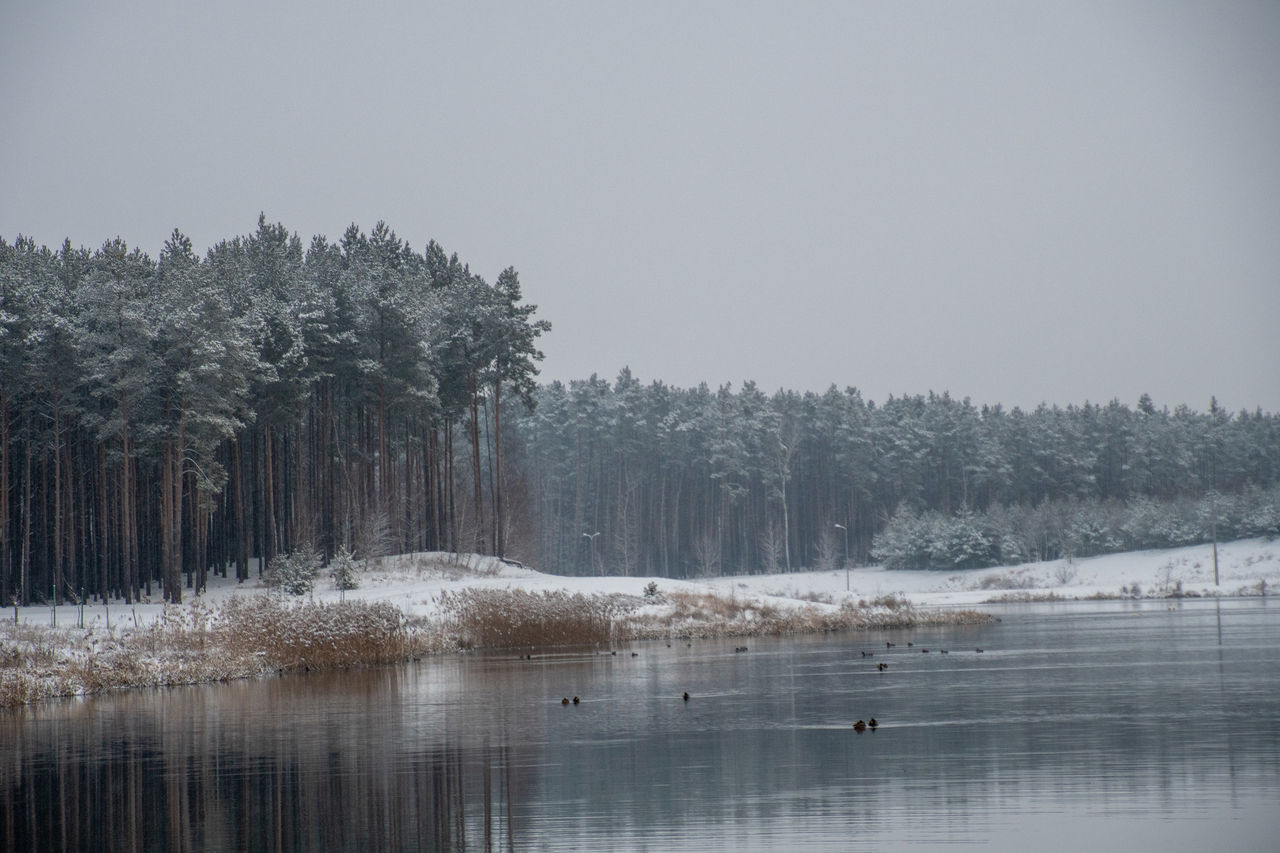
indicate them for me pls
(163, 419)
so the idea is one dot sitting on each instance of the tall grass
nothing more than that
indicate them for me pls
(314, 636)
(516, 618)
(189, 645)
(713, 615)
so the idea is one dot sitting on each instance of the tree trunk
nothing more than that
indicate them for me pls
(477, 476)
(270, 534)
(240, 533)
(499, 515)
(24, 567)
(171, 522)
(6, 564)
(56, 574)
(103, 527)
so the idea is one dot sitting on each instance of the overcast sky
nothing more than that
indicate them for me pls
(1015, 202)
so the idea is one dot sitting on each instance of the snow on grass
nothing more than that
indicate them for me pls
(241, 638)
(410, 605)
(1246, 567)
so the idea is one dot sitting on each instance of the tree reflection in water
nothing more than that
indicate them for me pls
(192, 770)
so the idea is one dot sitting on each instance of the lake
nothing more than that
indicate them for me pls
(1081, 726)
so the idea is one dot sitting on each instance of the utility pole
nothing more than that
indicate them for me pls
(592, 537)
(846, 555)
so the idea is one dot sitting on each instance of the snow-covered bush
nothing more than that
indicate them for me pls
(934, 541)
(1088, 528)
(1261, 518)
(965, 543)
(904, 541)
(295, 572)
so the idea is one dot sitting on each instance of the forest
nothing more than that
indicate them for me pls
(701, 482)
(164, 419)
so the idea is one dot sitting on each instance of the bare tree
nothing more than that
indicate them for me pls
(771, 543)
(706, 551)
(827, 550)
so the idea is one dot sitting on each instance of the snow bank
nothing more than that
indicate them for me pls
(416, 584)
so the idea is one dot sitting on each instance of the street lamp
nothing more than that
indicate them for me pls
(592, 537)
(846, 555)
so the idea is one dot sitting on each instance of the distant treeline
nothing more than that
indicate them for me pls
(159, 419)
(1009, 535)
(700, 481)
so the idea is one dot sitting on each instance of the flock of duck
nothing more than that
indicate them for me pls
(882, 666)
(910, 644)
(860, 726)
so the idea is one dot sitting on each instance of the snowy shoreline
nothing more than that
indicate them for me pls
(414, 582)
(153, 644)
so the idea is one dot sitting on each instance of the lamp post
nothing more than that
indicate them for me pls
(592, 537)
(846, 555)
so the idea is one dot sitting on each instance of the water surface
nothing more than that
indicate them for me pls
(1112, 726)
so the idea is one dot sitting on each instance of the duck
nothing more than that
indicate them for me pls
(564, 701)
(860, 726)
(868, 654)
(910, 644)
(576, 700)
(872, 724)
(882, 666)
(888, 645)
(686, 696)
(979, 651)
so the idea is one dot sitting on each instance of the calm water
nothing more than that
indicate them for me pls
(1081, 727)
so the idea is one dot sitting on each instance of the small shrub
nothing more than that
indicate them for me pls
(1007, 580)
(294, 573)
(891, 602)
(811, 595)
(344, 570)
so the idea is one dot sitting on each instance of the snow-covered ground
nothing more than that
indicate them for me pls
(414, 583)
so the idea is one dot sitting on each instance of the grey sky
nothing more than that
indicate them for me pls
(1012, 201)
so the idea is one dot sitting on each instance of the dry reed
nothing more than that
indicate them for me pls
(190, 645)
(705, 615)
(516, 618)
